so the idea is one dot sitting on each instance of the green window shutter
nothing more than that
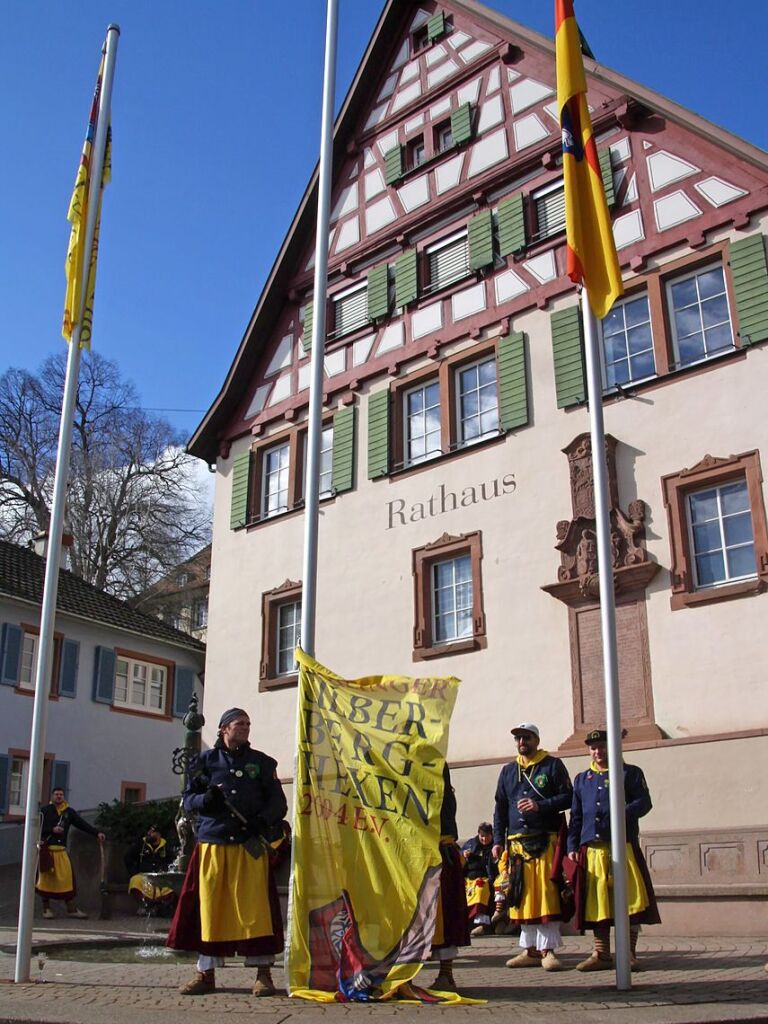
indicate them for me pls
(239, 507)
(406, 278)
(480, 232)
(568, 353)
(511, 218)
(306, 341)
(378, 293)
(343, 449)
(69, 662)
(104, 664)
(378, 434)
(461, 124)
(393, 165)
(436, 26)
(512, 382)
(606, 169)
(750, 287)
(183, 688)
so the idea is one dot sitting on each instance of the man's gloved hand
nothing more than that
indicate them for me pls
(213, 799)
(258, 826)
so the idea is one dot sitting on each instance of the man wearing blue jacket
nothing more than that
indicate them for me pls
(529, 828)
(589, 849)
(228, 904)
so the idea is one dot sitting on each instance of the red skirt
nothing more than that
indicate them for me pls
(185, 931)
(453, 899)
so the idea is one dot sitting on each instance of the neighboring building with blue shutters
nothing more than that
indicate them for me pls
(120, 684)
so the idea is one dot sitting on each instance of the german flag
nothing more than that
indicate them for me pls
(592, 259)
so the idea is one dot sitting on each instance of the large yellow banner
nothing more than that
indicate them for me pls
(366, 875)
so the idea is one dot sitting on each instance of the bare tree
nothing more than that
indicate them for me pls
(132, 504)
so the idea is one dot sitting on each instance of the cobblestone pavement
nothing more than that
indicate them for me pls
(682, 982)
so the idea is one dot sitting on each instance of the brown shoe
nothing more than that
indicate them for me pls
(480, 929)
(550, 962)
(444, 981)
(500, 914)
(524, 959)
(595, 962)
(263, 986)
(634, 964)
(203, 983)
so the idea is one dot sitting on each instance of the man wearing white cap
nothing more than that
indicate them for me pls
(528, 823)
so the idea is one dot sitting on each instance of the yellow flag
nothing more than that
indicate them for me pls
(369, 789)
(78, 276)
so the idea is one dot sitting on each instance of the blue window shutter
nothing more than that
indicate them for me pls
(5, 778)
(10, 653)
(184, 686)
(60, 776)
(70, 659)
(104, 675)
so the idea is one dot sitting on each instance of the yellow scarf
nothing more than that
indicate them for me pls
(600, 771)
(528, 762)
(60, 808)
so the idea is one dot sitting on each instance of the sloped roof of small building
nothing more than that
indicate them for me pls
(204, 443)
(22, 574)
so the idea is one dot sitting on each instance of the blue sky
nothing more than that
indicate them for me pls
(216, 130)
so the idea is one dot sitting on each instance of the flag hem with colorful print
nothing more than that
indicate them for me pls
(591, 249)
(367, 866)
(77, 215)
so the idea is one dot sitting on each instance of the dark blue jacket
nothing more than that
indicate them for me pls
(591, 812)
(50, 818)
(248, 779)
(547, 782)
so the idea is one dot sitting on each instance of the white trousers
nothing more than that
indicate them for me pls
(540, 936)
(208, 963)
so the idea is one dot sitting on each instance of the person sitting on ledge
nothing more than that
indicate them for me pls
(480, 870)
(147, 855)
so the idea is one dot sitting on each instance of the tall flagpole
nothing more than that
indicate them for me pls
(311, 499)
(55, 531)
(610, 656)
(312, 484)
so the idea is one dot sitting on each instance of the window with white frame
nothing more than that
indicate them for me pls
(549, 209)
(288, 636)
(447, 261)
(452, 599)
(28, 662)
(477, 399)
(18, 780)
(721, 534)
(421, 416)
(200, 613)
(326, 462)
(274, 498)
(350, 309)
(140, 685)
(699, 315)
(628, 342)
(443, 137)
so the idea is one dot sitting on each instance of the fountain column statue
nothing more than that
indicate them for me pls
(182, 759)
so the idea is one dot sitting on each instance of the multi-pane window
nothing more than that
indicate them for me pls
(17, 785)
(549, 209)
(288, 636)
(478, 405)
(275, 480)
(448, 261)
(326, 461)
(200, 613)
(422, 422)
(628, 342)
(28, 663)
(452, 600)
(140, 685)
(350, 310)
(443, 137)
(698, 312)
(722, 538)
(416, 152)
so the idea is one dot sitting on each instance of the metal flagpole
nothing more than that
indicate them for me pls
(55, 531)
(311, 499)
(610, 657)
(312, 483)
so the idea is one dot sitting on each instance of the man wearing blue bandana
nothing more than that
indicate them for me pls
(228, 904)
(529, 828)
(589, 850)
